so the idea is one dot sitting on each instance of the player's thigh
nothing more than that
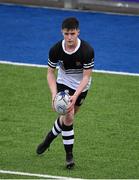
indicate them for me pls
(80, 101)
(76, 109)
(81, 98)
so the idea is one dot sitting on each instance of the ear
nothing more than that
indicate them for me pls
(78, 31)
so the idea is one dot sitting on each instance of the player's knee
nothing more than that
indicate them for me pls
(68, 121)
(69, 118)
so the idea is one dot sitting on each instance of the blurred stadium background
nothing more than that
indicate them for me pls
(117, 6)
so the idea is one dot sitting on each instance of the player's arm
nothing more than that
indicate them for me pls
(87, 71)
(51, 79)
(86, 77)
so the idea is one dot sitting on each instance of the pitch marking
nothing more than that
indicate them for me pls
(37, 175)
(45, 66)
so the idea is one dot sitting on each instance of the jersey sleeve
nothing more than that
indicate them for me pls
(53, 58)
(89, 58)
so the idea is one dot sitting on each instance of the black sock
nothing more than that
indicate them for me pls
(68, 137)
(56, 130)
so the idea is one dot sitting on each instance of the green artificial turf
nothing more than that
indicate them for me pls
(106, 128)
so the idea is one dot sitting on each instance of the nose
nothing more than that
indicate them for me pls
(69, 36)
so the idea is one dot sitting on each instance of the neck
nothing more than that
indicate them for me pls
(71, 47)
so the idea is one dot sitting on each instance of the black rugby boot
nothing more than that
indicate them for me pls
(46, 143)
(69, 160)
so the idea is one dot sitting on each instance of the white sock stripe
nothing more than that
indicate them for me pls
(68, 142)
(57, 126)
(54, 132)
(68, 133)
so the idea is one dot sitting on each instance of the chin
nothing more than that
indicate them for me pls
(70, 43)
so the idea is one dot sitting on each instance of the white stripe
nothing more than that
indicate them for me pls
(23, 64)
(68, 133)
(89, 63)
(37, 175)
(68, 142)
(85, 66)
(57, 126)
(45, 66)
(116, 72)
(54, 132)
(51, 63)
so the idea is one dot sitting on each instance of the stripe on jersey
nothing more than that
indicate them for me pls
(89, 65)
(51, 64)
(74, 71)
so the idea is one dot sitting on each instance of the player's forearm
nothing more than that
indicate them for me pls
(84, 82)
(82, 86)
(78, 91)
(52, 83)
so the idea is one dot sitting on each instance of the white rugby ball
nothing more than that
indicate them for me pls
(61, 102)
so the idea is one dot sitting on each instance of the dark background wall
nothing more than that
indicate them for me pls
(117, 6)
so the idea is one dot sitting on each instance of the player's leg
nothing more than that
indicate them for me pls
(68, 137)
(68, 131)
(55, 131)
(67, 128)
(76, 109)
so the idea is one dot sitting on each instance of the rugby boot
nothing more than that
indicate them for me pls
(69, 160)
(46, 143)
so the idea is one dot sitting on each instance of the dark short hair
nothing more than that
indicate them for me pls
(70, 23)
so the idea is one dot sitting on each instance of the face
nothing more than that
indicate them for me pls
(70, 36)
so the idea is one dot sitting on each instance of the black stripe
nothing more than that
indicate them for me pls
(56, 129)
(73, 72)
(58, 122)
(67, 128)
(68, 137)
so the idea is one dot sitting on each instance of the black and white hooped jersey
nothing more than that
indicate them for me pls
(71, 64)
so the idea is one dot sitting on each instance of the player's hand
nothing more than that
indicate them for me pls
(72, 103)
(53, 98)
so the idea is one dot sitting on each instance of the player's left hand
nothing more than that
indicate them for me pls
(72, 103)
(53, 98)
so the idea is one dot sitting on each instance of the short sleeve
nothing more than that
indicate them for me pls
(53, 57)
(89, 58)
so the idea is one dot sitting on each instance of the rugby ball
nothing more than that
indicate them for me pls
(61, 102)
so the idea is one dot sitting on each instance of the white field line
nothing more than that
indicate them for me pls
(45, 66)
(116, 72)
(37, 175)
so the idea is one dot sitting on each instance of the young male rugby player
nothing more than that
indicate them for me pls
(75, 58)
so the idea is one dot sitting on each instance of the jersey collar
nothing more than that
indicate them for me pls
(77, 47)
